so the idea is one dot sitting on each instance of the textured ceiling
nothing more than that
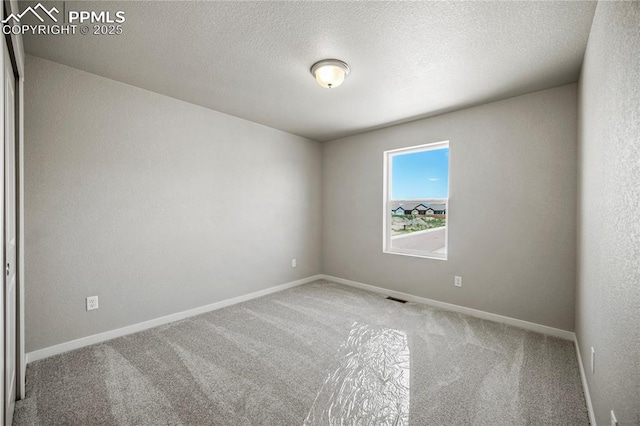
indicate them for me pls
(408, 59)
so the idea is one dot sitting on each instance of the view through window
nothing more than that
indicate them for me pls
(417, 200)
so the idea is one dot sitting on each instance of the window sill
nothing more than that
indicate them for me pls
(433, 256)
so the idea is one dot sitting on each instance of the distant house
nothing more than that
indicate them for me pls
(420, 209)
(413, 209)
(438, 208)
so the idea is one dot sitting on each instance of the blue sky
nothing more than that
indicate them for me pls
(421, 175)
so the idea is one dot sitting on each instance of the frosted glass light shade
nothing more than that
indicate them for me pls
(330, 73)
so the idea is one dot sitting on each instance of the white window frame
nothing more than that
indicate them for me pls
(387, 201)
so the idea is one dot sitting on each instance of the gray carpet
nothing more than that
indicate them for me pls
(321, 353)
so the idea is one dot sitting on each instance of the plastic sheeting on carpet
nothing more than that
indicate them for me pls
(371, 384)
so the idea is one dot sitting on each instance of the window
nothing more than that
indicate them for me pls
(416, 200)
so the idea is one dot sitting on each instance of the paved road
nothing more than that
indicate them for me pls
(428, 241)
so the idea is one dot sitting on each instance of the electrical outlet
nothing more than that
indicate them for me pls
(593, 360)
(457, 281)
(294, 263)
(92, 303)
(614, 421)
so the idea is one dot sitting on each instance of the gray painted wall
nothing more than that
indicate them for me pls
(154, 204)
(608, 291)
(512, 212)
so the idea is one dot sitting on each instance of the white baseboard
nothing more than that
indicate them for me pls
(585, 385)
(112, 334)
(556, 332)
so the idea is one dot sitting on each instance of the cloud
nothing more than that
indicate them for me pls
(434, 179)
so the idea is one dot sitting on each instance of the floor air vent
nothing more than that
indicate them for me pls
(396, 300)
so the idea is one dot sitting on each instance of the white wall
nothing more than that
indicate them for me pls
(512, 232)
(608, 293)
(154, 204)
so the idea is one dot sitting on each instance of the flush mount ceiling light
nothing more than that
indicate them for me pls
(330, 73)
